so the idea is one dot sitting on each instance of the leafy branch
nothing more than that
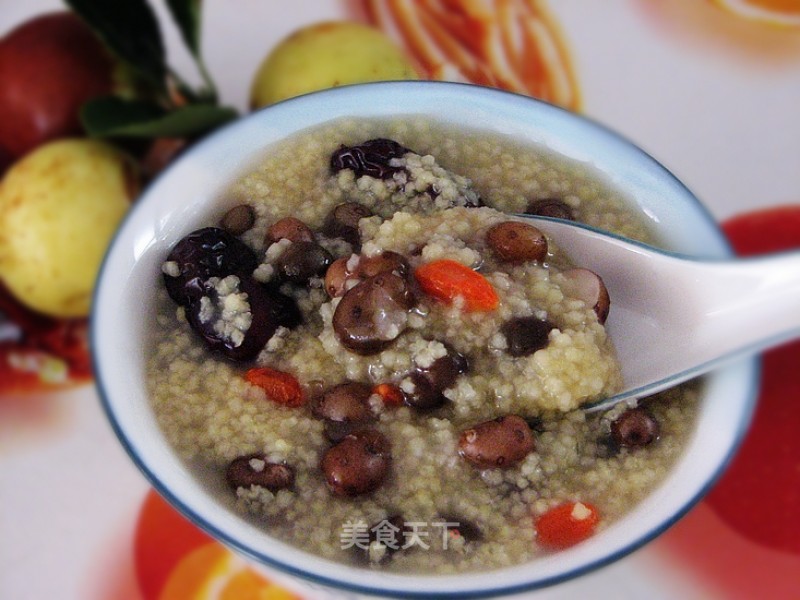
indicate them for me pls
(165, 105)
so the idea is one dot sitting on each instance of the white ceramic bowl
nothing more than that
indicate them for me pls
(181, 200)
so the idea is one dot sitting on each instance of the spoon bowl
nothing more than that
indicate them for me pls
(675, 317)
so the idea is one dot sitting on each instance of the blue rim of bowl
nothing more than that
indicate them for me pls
(164, 490)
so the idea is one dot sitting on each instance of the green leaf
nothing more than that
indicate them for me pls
(187, 16)
(114, 117)
(130, 30)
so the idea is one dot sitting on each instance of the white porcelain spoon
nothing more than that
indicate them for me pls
(674, 317)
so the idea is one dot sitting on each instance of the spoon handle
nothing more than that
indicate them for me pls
(711, 312)
(748, 305)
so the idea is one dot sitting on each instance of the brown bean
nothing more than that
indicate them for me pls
(500, 443)
(342, 221)
(371, 315)
(347, 401)
(336, 431)
(358, 464)
(238, 219)
(430, 383)
(588, 286)
(634, 428)
(273, 476)
(301, 261)
(338, 275)
(289, 228)
(526, 335)
(550, 207)
(517, 242)
(459, 527)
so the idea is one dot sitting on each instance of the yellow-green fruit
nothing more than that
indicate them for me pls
(59, 207)
(327, 55)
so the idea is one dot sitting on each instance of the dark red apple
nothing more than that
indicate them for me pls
(49, 66)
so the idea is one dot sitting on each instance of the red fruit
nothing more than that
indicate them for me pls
(49, 66)
(759, 494)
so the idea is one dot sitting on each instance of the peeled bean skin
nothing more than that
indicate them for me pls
(588, 286)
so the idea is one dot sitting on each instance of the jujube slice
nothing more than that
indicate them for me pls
(369, 158)
(205, 253)
(269, 309)
(431, 382)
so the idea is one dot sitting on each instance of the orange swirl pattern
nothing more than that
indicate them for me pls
(514, 45)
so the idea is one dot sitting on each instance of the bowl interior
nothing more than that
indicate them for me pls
(183, 197)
